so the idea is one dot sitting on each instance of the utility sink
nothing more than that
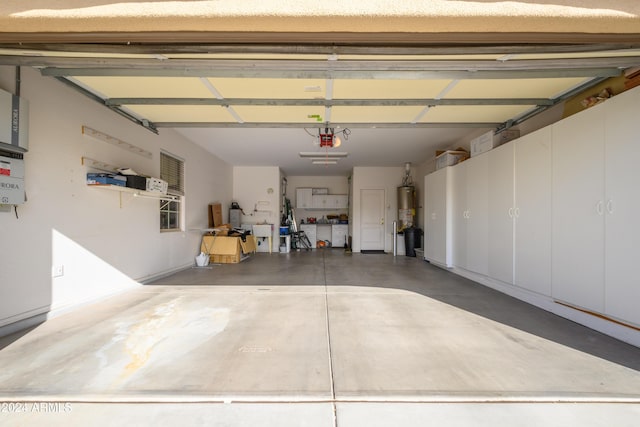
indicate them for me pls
(263, 230)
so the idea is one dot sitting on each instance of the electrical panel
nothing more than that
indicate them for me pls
(11, 178)
(14, 122)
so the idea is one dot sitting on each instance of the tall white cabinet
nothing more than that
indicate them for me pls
(532, 211)
(622, 206)
(578, 209)
(459, 214)
(553, 213)
(596, 200)
(438, 217)
(501, 213)
(470, 207)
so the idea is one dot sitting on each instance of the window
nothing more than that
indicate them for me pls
(172, 171)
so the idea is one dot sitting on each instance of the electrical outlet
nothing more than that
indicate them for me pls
(57, 270)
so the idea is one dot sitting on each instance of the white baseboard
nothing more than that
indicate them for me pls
(607, 327)
(23, 321)
(39, 315)
(161, 275)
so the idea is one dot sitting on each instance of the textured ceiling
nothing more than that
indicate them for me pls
(534, 16)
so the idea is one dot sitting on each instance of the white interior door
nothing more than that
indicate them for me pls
(372, 219)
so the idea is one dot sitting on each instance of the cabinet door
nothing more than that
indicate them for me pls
(533, 211)
(319, 201)
(578, 209)
(304, 198)
(622, 204)
(501, 213)
(310, 231)
(478, 214)
(331, 201)
(339, 235)
(437, 222)
(341, 201)
(459, 214)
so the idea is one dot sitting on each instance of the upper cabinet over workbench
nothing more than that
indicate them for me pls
(306, 199)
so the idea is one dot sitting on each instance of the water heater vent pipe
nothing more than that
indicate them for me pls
(407, 180)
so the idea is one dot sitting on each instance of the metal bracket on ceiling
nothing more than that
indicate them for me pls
(555, 101)
(141, 122)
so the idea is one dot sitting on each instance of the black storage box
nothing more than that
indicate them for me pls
(137, 182)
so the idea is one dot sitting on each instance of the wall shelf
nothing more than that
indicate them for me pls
(136, 193)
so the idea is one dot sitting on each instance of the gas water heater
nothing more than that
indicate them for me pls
(406, 201)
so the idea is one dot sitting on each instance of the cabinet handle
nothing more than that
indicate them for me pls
(517, 212)
(599, 207)
(510, 212)
(610, 206)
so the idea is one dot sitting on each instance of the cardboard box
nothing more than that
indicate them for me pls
(156, 185)
(482, 144)
(106, 178)
(450, 158)
(215, 215)
(227, 250)
(222, 230)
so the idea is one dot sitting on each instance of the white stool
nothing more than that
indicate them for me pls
(287, 243)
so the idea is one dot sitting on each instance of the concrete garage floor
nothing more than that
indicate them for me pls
(316, 339)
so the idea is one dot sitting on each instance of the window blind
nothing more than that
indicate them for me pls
(172, 171)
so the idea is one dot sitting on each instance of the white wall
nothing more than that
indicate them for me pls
(257, 190)
(103, 247)
(377, 178)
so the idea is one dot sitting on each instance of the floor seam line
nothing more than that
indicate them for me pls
(326, 308)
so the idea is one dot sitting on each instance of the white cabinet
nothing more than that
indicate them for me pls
(553, 212)
(329, 201)
(304, 198)
(595, 203)
(339, 233)
(532, 250)
(578, 209)
(459, 216)
(477, 215)
(501, 213)
(621, 207)
(310, 231)
(471, 214)
(438, 221)
(340, 201)
(320, 201)
(510, 240)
